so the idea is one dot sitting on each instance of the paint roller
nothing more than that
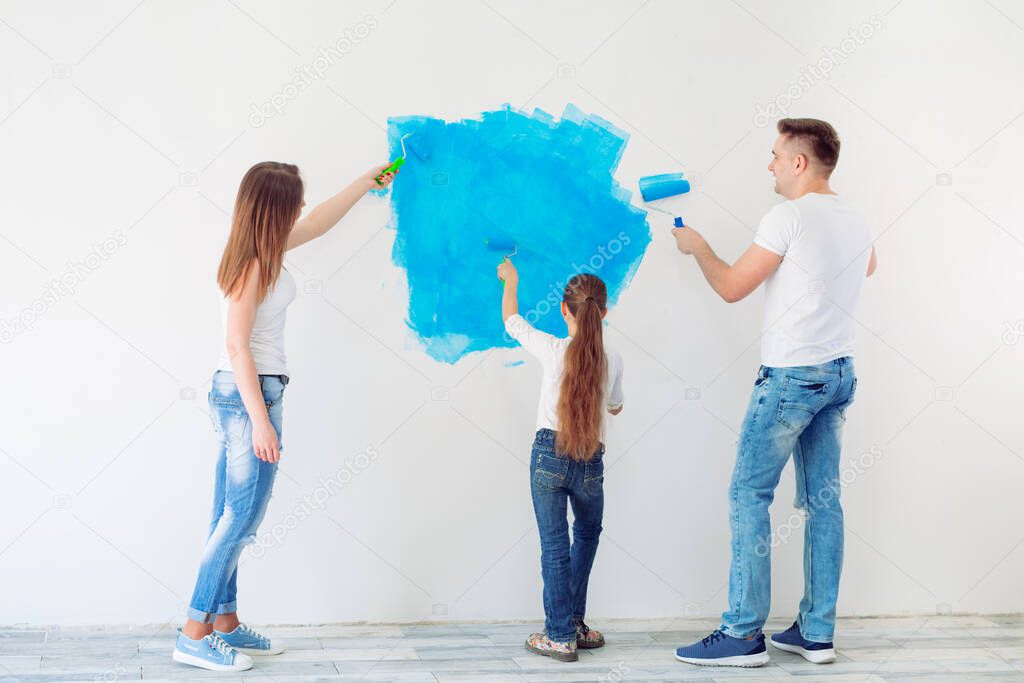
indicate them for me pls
(655, 187)
(421, 152)
(506, 246)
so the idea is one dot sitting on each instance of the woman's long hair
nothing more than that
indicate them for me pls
(268, 203)
(581, 399)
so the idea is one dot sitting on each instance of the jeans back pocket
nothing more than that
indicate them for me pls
(549, 471)
(802, 398)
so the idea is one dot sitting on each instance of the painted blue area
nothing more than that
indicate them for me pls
(544, 184)
(515, 363)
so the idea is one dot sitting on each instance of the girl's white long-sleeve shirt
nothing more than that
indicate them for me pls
(550, 351)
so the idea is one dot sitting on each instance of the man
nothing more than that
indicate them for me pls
(812, 252)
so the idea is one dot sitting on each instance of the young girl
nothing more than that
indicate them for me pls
(246, 396)
(581, 379)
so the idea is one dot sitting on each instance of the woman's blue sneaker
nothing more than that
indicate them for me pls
(719, 649)
(248, 641)
(210, 653)
(791, 640)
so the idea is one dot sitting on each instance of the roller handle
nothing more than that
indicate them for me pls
(395, 165)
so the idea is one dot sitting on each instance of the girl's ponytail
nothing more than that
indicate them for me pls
(581, 399)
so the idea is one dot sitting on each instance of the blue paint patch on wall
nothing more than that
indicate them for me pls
(515, 363)
(547, 184)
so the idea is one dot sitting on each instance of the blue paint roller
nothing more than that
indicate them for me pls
(506, 246)
(655, 187)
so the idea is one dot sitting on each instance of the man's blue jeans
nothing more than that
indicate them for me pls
(798, 411)
(555, 479)
(242, 489)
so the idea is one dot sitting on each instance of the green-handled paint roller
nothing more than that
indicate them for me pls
(507, 247)
(419, 151)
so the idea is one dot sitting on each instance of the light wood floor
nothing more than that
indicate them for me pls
(954, 649)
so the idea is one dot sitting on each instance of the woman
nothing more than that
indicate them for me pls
(581, 379)
(246, 396)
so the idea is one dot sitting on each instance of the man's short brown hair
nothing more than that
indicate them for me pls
(819, 136)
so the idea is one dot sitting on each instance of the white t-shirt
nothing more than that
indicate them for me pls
(811, 298)
(550, 351)
(267, 338)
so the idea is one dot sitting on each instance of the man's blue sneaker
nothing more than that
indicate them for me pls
(791, 640)
(249, 642)
(210, 653)
(719, 649)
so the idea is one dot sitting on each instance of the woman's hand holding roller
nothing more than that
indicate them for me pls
(370, 178)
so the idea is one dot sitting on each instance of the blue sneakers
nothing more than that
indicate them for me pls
(791, 640)
(249, 642)
(719, 649)
(210, 653)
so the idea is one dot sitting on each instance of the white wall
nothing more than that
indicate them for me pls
(106, 462)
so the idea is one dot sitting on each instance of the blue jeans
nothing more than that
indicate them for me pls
(242, 489)
(555, 479)
(798, 411)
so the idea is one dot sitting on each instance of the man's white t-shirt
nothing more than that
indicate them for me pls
(550, 351)
(810, 300)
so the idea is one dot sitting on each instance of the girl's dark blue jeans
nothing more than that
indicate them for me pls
(554, 480)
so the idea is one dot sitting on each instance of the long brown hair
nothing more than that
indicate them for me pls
(268, 203)
(583, 380)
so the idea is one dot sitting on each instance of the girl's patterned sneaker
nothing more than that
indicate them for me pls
(540, 644)
(587, 638)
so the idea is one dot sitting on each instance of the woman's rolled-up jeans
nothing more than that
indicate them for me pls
(242, 489)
